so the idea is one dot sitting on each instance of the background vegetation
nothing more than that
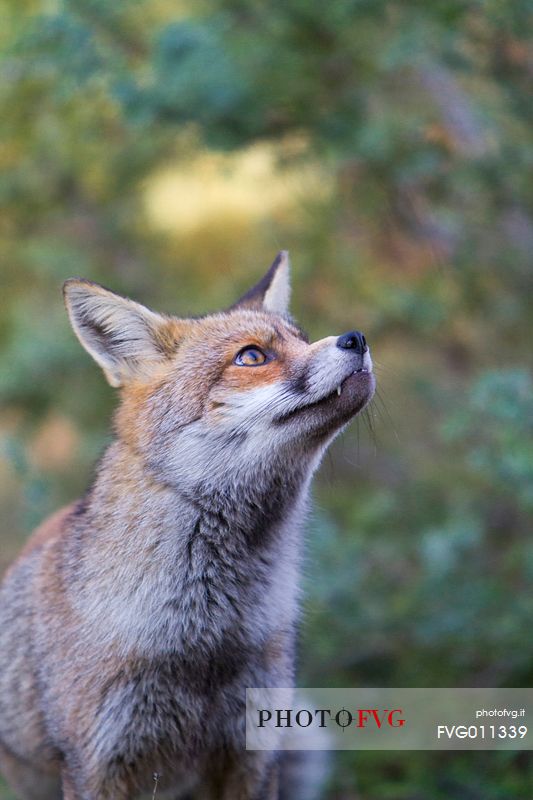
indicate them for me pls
(168, 150)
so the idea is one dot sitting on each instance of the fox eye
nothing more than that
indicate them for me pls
(250, 357)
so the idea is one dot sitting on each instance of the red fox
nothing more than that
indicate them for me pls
(134, 619)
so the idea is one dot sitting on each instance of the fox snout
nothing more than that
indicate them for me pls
(332, 384)
(355, 343)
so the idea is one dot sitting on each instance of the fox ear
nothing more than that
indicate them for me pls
(273, 291)
(123, 337)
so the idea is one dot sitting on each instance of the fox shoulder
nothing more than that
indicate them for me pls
(50, 529)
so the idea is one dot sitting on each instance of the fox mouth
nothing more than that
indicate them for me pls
(338, 390)
(360, 375)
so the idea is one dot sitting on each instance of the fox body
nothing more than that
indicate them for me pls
(134, 619)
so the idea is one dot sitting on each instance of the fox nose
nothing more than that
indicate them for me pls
(353, 340)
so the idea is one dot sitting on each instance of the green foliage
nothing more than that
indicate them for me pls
(495, 428)
(415, 119)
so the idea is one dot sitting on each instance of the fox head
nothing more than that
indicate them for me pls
(226, 395)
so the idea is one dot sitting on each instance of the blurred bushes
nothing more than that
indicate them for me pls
(402, 132)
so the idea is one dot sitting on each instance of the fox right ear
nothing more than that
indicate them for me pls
(123, 337)
(273, 291)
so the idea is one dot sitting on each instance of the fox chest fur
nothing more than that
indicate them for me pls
(133, 621)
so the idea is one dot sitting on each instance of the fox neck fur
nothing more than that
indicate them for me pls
(212, 563)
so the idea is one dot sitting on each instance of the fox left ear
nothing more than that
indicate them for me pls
(273, 291)
(124, 338)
